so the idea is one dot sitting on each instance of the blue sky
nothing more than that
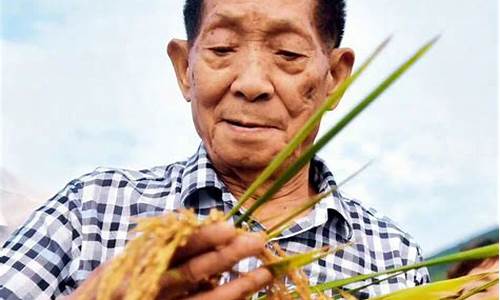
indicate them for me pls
(90, 85)
(20, 18)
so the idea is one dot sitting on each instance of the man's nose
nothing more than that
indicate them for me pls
(252, 82)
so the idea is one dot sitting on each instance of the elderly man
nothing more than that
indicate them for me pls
(253, 71)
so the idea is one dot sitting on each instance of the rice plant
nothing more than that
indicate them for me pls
(147, 258)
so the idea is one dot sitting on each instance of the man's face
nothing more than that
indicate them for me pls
(256, 72)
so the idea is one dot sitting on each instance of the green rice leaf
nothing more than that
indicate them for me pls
(478, 253)
(277, 229)
(332, 132)
(304, 132)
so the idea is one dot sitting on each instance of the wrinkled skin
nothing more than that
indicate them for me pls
(255, 73)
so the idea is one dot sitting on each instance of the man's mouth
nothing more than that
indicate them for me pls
(249, 125)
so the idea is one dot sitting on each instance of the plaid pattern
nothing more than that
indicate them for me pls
(87, 223)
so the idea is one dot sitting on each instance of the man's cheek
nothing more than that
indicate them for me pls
(210, 87)
(209, 94)
(313, 90)
(306, 95)
(200, 124)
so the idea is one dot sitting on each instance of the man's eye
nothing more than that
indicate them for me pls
(289, 55)
(222, 51)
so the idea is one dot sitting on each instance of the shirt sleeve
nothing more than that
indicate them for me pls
(418, 276)
(35, 261)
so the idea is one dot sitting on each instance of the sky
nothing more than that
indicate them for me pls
(88, 84)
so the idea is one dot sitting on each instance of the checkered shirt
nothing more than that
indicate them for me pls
(87, 223)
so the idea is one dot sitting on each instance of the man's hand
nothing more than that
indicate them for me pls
(213, 249)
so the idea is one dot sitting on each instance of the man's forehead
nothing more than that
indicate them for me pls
(293, 15)
(283, 10)
(261, 3)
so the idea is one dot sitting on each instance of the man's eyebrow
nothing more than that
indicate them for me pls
(238, 21)
(224, 20)
(282, 25)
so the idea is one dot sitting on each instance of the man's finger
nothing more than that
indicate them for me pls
(239, 288)
(207, 238)
(215, 262)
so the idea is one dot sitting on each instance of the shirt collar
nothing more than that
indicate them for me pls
(199, 174)
(323, 178)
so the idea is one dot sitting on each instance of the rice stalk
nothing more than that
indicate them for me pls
(374, 281)
(445, 289)
(345, 295)
(298, 260)
(278, 289)
(290, 267)
(304, 132)
(479, 289)
(478, 253)
(332, 132)
(147, 257)
(282, 225)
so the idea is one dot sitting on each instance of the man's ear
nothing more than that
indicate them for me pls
(178, 51)
(341, 63)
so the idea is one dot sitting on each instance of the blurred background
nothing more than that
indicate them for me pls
(87, 84)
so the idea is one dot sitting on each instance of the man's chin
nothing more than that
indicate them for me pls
(248, 157)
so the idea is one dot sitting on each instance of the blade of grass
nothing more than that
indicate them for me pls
(304, 131)
(313, 149)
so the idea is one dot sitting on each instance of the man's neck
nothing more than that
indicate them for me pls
(292, 195)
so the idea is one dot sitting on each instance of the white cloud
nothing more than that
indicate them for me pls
(102, 72)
